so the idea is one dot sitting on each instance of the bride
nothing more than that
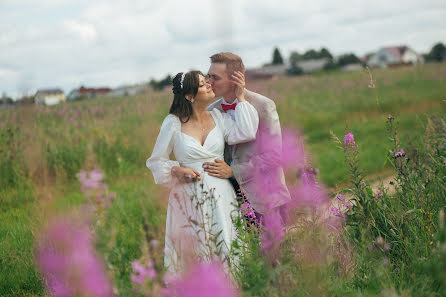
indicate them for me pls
(199, 223)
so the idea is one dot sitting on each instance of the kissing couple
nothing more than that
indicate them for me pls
(219, 149)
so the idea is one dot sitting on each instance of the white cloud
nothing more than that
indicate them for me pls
(86, 32)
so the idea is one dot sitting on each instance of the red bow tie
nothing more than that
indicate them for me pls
(227, 107)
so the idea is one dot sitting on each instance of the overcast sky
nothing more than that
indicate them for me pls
(68, 43)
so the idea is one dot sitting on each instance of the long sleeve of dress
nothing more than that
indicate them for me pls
(159, 162)
(245, 126)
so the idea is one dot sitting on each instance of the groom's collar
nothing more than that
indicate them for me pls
(223, 101)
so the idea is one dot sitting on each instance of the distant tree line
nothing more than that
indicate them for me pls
(5, 99)
(312, 54)
(436, 54)
(160, 84)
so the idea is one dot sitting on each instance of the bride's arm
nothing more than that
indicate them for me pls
(159, 162)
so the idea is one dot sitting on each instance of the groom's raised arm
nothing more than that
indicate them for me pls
(267, 147)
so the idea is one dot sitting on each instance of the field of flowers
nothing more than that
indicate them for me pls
(79, 207)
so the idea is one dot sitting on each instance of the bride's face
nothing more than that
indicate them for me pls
(204, 93)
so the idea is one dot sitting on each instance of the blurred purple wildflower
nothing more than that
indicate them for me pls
(293, 150)
(340, 197)
(91, 180)
(309, 176)
(273, 231)
(68, 263)
(334, 211)
(308, 195)
(202, 280)
(142, 273)
(154, 243)
(363, 185)
(378, 195)
(348, 205)
(399, 154)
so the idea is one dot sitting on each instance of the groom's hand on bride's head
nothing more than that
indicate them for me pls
(219, 169)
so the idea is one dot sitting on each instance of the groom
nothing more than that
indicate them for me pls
(243, 161)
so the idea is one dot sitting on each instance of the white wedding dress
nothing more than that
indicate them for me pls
(199, 222)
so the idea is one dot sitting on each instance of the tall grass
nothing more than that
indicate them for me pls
(43, 148)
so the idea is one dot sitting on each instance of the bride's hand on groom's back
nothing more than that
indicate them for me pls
(185, 175)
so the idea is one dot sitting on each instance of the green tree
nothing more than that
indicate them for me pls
(159, 85)
(347, 59)
(294, 69)
(331, 65)
(310, 54)
(277, 57)
(437, 53)
(295, 57)
(324, 53)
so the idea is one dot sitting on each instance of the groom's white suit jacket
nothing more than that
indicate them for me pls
(248, 156)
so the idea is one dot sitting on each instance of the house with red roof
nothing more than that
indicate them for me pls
(84, 92)
(395, 56)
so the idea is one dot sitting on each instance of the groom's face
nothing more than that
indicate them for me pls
(219, 80)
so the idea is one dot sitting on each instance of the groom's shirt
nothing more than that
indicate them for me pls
(231, 112)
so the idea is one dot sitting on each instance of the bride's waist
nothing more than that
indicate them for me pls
(198, 164)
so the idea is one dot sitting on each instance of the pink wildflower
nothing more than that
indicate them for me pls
(273, 231)
(202, 280)
(378, 195)
(142, 273)
(340, 197)
(247, 210)
(92, 180)
(334, 211)
(399, 154)
(68, 263)
(348, 205)
(349, 140)
(154, 243)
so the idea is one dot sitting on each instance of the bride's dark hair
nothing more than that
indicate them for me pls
(181, 107)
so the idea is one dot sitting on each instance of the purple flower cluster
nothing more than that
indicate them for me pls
(68, 263)
(379, 194)
(273, 232)
(334, 211)
(91, 180)
(285, 151)
(202, 280)
(93, 186)
(399, 154)
(142, 273)
(248, 211)
(349, 142)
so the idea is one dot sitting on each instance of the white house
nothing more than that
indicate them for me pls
(49, 97)
(397, 55)
(312, 65)
(130, 90)
(271, 71)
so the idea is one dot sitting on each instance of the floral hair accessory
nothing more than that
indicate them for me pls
(182, 79)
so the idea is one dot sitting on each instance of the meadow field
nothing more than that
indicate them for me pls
(43, 149)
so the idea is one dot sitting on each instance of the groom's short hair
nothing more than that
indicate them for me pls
(233, 62)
